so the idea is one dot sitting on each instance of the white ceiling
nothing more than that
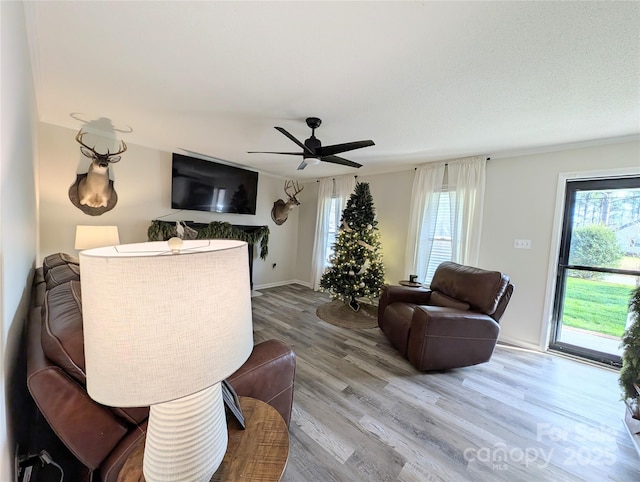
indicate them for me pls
(425, 80)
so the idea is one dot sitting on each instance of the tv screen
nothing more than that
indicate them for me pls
(201, 185)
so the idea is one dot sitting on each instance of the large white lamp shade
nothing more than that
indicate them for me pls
(163, 327)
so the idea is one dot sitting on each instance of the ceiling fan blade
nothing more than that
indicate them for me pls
(302, 165)
(340, 160)
(348, 146)
(286, 153)
(306, 149)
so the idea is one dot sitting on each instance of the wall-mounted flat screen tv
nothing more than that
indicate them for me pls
(201, 185)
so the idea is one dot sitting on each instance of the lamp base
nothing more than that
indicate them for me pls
(186, 438)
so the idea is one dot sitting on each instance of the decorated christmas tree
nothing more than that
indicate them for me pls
(356, 269)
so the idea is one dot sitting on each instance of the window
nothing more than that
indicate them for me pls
(334, 220)
(441, 242)
(445, 216)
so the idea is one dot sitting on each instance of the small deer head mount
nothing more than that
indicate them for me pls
(280, 210)
(101, 160)
(93, 192)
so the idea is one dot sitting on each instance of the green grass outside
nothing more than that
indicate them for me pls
(596, 306)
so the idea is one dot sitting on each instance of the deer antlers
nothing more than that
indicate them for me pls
(288, 185)
(91, 153)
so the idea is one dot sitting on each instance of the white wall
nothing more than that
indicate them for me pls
(519, 203)
(18, 236)
(307, 212)
(142, 180)
(391, 198)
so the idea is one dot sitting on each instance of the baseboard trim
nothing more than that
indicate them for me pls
(520, 344)
(282, 283)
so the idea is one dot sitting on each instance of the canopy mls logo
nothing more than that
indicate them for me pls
(499, 454)
(592, 448)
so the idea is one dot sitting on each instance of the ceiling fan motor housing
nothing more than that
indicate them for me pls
(312, 144)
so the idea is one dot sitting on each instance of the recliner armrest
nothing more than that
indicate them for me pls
(405, 294)
(441, 338)
(441, 321)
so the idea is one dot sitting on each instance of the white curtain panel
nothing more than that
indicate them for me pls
(340, 188)
(325, 191)
(344, 187)
(467, 178)
(427, 184)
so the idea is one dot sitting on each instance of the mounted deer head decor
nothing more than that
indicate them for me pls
(93, 192)
(280, 210)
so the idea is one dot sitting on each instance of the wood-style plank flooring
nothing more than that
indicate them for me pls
(363, 413)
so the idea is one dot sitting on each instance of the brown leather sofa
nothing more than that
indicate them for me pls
(452, 324)
(102, 437)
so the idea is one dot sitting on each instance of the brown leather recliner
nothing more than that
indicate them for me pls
(102, 437)
(452, 324)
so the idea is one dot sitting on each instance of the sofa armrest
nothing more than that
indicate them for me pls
(406, 294)
(268, 375)
(442, 338)
(89, 430)
(110, 468)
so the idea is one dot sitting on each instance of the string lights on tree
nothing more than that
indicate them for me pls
(356, 269)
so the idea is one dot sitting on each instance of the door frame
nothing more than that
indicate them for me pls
(556, 237)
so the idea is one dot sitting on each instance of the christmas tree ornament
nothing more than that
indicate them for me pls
(365, 245)
(365, 266)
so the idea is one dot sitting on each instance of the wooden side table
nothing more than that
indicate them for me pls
(412, 284)
(259, 452)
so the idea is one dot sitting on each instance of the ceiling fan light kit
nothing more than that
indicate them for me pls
(312, 150)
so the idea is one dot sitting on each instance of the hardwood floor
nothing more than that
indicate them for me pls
(363, 413)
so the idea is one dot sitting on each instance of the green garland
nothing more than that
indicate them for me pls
(161, 231)
(630, 371)
(164, 230)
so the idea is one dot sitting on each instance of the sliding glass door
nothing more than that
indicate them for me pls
(599, 265)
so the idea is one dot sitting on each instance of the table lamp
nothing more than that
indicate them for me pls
(164, 324)
(88, 237)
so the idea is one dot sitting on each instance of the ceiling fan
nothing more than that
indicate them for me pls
(313, 152)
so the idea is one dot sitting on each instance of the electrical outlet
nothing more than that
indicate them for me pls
(522, 244)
